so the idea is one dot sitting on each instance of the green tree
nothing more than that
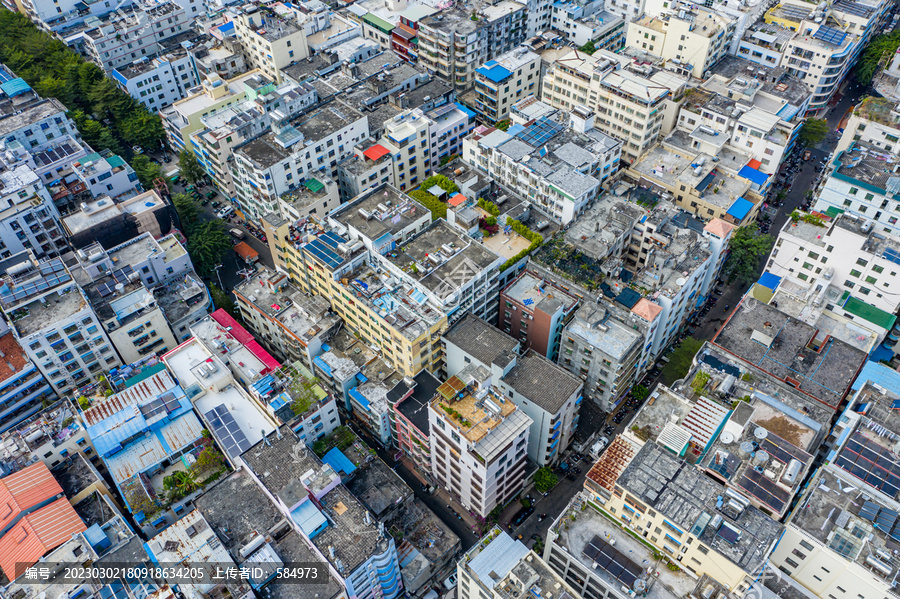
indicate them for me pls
(304, 394)
(210, 459)
(180, 484)
(588, 48)
(747, 248)
(208, 243)
(189, 167)
(681, 359)
(441, 181)
(880, 47)
(146, 170)
(640, 392)
(503, 125)
(438, 208)
(142, 129)
(223, 300)
(544, 479)
(188, 211)
(813, 132)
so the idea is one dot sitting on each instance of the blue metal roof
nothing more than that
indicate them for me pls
(337, 460)
(14, 87)
(753, 175)
(769, 281)
(494, 71)
(879, 374)
(629, 297)
(355, 394)
(469, 113)
(740, 209)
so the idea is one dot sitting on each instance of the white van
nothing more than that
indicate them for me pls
(237, 233)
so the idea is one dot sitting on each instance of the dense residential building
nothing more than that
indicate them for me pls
(631, 103)
(404, 37)
(36, 123)
(370, 166)
(410, 419)
(39, 510)
(55, 324)
(106, 174)
(453, 43)
(535, 311)
(557, 161)
(23, 389)
(587, 21)
(276, 163)
(158, 81)
(183, 118)
(858, 183)
(691, 42)
(42, 437)
(286, 320)
(406, 137)
(112, 42)
(30, 219)
(478, 440)
(338, 528)
(269, 42)
(504, 80)
(550, 396)
(499, 567)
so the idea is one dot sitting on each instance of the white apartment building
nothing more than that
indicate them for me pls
(185, 116)
(160, 81)
(478, 440)
(690, 42)
(407, 137)
(55, 324)
(370, 166)
(457, 41)
(224, 59)
(37, 124)
(224, 129)
(500, 567)
(875, 121)
(504, 80)
(548, 394)
(821, 54)
(270, 42)
(106, 174)
(117, 41)
(448, 125)
(276, 163)
(843, 266)
(584, 21)
(557, 162)
(28, 217)
(53, 15)
(293, 325)
(630, 106)
(859, 183)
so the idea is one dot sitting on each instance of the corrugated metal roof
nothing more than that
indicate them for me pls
(154, 448)
(25, 489)
(143, 391)
(36, 534)
(606, 470)
(703, 420)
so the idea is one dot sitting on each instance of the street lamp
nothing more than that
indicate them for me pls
(219, 276)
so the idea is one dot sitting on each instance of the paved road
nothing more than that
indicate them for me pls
(803, 182)
(231, 264)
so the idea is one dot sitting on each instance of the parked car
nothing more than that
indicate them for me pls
(521, 516)
(237, 233)
(450, 582)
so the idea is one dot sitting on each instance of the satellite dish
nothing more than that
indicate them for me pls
(760, 433)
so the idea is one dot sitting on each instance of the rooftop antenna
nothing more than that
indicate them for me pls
(265, 438)
(278, 432)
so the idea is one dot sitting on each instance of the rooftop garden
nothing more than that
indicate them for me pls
(563, 258)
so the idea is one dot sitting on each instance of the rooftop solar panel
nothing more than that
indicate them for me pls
(540, 132)
(227, 431)
(871, 463)
(729, 534)
(612, 560)
(830, 35)
(892, 255)
(854, 8)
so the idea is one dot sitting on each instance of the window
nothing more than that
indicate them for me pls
(853, 191)
(855, 273)
(806, 545)
(862, 262)
(791, 562)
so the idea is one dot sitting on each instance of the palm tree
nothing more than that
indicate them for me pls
(181, 483)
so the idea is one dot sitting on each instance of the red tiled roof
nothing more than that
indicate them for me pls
(36, 534)
(457, 200)
(25, 489)
(244, 250)
(375, 152)
(15, 359)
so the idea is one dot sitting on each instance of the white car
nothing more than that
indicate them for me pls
(451, 581)
(225, 212)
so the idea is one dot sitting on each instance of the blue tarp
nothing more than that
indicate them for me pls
(494, 72)
(740, 209)
(755, 176)
(355, 394)
(769, 281)
(337, 460)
